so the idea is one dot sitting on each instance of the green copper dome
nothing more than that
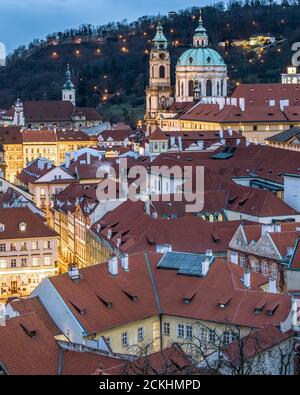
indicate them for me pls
(200, 57)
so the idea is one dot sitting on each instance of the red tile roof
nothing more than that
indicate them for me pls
(48, 110)
(10, 135)
(138, 231)
(222, 279)
(35, 226)
(261, 94)
(257, 341)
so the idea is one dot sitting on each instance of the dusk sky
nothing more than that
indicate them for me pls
(23, 20)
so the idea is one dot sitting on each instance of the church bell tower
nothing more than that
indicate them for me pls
(159, 91)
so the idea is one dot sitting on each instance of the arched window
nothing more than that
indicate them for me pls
(182, 89)
(191, 88)
(218, 89)
(208, 88)
(162, 72)
(222, 88)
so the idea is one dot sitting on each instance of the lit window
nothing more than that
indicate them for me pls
(47, 261)
(35, 245)
(35, 262)
(2, 264)
(22, 226)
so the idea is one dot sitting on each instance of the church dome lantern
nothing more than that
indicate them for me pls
(204, 65)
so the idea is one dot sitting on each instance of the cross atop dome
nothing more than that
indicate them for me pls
(200, 37)
(160, 42)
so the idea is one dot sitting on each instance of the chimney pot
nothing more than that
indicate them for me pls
(125, 262)
(247, 278)
(113, 266)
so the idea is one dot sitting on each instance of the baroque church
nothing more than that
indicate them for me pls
(201, 75)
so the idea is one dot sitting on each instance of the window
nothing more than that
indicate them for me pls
(35, 262)
(189, 332)
(124, 339)
(2, 228)
(191, 88)
(162, 72)
(13, 247)
(208, 88)
(47, 245)
(274, 271)
(255, 128)
(22, 226)
(13, 263)
(35, 245)
(23, 262)
(212, 336)
(2, 264)
(203, 334)
(47, 261)
(140, 334)
(226, 338)
(166, 329)
(265, 269)
(242, 261)
(180, 330)
(23, 246)
(2, 247)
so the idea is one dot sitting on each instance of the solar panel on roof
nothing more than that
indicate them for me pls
(186, 263)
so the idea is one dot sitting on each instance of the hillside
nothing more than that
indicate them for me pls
(110, 63)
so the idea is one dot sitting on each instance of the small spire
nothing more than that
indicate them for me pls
(160, 41)
(200, 37)
(68, 84)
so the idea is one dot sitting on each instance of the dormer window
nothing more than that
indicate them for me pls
(22, 226)
(2, 227)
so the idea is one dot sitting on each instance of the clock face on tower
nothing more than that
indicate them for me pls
(162, 55)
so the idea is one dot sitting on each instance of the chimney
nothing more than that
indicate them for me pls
(209, 253)
(180, 143)
(163, 248)
(266, 228)
(68, 160)
(221, 133)
(125, 262)
(230, 131)
(109, 233)
(283, 103)
(172, 140)
(277, 228)
(205, 266)
(88, 158)
(272, 285)
(242, 103)
(113, 266)
(74, 273)
(247, 278)
(147, 207)
(119, 241)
